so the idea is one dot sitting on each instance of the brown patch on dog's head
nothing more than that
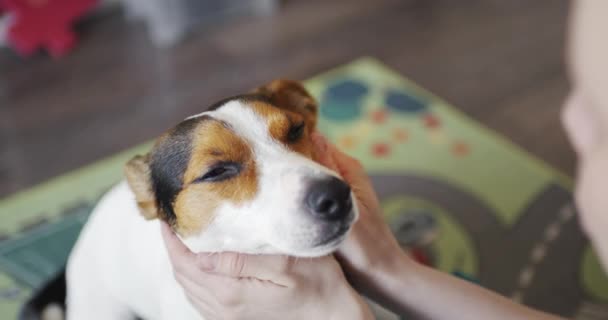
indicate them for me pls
(181, 180)
(202, 163)
(291, 96)
(287, 127)
(214, 147)
(297, 118)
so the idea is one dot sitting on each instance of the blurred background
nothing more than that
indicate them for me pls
(82, 80)
(499, 61)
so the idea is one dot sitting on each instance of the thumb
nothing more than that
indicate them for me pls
(178, 253)
(239, 265)
(321, 147)
(348, 167)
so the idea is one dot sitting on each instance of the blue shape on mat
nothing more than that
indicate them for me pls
(347, 90)
(402, 102)
(343, 100)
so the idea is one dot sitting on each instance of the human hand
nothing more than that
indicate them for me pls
(371, 256)
(374, 262)
(241, 286)
(371, 244)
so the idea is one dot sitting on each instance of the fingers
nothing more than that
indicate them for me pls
(229, 264)
(178, 252)
(332, 157)
(318, 140)
(237, 265)
(343, 160)
(182, 259)
(321, 148)
(348, 167)
(203, 296)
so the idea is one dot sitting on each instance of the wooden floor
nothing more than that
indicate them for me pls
(499, 61)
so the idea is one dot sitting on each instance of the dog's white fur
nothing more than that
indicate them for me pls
(119, 265)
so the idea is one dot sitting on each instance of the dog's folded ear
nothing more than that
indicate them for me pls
(292, 96)
(137, 172)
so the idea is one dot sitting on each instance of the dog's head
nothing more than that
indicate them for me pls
(242, 177)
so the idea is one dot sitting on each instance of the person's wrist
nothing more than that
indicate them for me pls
(393, 261)
(397, 270)
(390, 259)
(390, 281)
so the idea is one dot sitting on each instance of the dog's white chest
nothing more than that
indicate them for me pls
(120, 266)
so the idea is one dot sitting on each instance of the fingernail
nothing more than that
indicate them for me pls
(320, 142)
(317, 139)
(207, 262)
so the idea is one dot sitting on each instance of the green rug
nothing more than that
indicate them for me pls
(458, 196)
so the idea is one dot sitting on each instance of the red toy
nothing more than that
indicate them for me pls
(420, 256)
(44, 24)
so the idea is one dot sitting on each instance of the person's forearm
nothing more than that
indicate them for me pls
(409, 288)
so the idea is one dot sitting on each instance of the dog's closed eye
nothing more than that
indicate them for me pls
(220, 171)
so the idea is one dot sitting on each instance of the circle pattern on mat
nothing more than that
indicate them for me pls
(342, 101)
(381, 150)
(379, 116)
(400, 101)
(460, 149)
(431, 121)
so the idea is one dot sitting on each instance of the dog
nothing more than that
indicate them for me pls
(238, 177)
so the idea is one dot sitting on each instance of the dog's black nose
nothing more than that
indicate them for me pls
(329, 199)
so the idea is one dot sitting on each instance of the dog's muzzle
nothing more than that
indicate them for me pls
(329, 201)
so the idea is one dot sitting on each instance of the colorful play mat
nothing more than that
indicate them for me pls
(458, 196)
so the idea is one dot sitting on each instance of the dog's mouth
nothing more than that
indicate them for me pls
(335, 233)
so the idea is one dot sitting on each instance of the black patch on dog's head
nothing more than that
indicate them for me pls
(171, 155)
(169, 161)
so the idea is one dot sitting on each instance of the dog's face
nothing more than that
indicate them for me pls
(242, 177)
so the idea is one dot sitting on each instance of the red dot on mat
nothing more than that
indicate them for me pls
(379, 116)
(460, 149)
(381, 149)
(431, 121)
(400, 135)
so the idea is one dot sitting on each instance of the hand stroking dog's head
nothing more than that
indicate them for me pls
(242, 177)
